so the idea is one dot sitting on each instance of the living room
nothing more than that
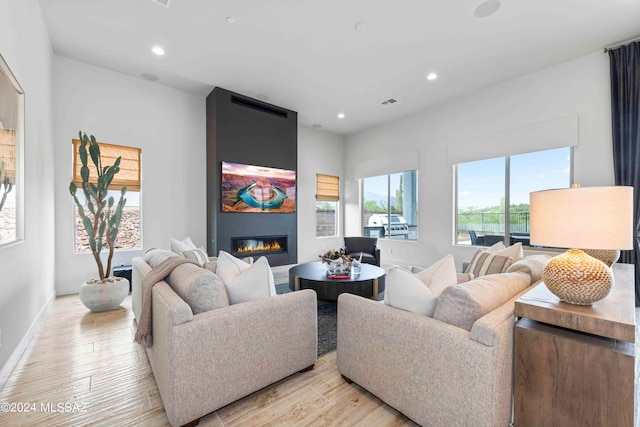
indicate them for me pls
(64, 95)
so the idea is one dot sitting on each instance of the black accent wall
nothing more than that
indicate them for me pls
(245, 130)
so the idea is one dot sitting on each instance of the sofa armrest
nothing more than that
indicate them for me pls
(225, 354)
(431, 371)
(176, 309)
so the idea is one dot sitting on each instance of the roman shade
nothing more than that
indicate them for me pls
(558, 133)
(390, 164)
(129, 175)
(8, 153)
(327, 188)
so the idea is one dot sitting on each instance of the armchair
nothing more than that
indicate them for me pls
(354, 246)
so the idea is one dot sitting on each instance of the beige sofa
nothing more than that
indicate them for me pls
(205, 361)
(450, 370)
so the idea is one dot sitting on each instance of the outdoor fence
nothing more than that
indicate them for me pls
(493, 223)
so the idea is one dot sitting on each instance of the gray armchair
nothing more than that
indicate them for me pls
(354, 246)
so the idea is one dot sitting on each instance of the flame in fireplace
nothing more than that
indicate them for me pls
(260, 247)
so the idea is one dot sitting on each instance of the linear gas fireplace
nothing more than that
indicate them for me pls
(258, 245)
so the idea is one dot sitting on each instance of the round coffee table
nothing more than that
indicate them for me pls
(368, 283)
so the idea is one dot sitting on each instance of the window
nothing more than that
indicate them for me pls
(492, 191)
(128, 176)
(390, 206)
(327, 197)
(11, 137)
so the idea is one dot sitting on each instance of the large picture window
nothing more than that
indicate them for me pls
(129, 236)
(11, 143)
(390, 206)
(327, 197)
(493, 194)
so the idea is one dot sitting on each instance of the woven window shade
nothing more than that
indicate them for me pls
(8, 153)
(129, 175)
(327, 188)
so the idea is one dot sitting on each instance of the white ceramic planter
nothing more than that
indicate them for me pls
(104, 296)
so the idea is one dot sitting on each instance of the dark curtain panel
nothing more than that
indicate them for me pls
(625, 116)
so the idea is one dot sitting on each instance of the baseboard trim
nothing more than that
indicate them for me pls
(13, 360)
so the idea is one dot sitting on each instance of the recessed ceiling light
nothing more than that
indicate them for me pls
(231, 20)
(361, 26)
(157, 50)
(370, 89)
(316, 125)
(262, 97)
(432, 76)
(341, 116)
(487, 8)
(150, 77)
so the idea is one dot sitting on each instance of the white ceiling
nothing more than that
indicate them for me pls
(306, 55)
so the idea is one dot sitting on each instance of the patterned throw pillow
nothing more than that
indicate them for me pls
(196, 255)
(484, 263)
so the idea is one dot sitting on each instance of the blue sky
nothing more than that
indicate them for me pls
(481, 183)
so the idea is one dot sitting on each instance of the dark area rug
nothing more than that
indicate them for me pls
(327, 322)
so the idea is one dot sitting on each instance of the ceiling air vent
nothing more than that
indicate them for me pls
(165, 3)
(389, 102)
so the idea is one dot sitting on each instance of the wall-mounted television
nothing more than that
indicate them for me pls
(249, 188)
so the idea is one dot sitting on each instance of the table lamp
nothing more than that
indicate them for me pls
(585, 218)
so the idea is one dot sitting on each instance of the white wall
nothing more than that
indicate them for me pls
(27, 268)
(318, 152)
(169, 126)
(578, 87)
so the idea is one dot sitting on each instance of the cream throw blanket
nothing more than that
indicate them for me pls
(158, 274)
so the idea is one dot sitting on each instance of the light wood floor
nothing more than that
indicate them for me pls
(88, 359)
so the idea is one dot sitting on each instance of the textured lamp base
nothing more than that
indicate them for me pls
(608, 256)
(578, 278)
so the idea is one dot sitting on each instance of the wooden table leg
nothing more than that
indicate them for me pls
(375, 289)
(297, 281)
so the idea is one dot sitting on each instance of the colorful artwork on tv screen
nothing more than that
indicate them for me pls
(248, 188)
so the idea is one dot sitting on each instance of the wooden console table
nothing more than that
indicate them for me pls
(574, 365)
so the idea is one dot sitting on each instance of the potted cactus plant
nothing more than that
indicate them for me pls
(101, 220)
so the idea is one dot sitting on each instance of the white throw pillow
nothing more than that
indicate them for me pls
(251, 284)
(514, 252)
(229, 267)
(419, 292)
(178, 246)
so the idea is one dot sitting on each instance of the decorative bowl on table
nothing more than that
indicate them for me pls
(338, 263)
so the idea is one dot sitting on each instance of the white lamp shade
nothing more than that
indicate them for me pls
(584, 218)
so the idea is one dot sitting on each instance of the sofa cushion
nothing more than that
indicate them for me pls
(198, 287)
(154, 256)
(419, 292)
(485, 262)
(198, 256)
(532, 265)
(228, 267)
(251, 284)
(461, 305)
(178, 246)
